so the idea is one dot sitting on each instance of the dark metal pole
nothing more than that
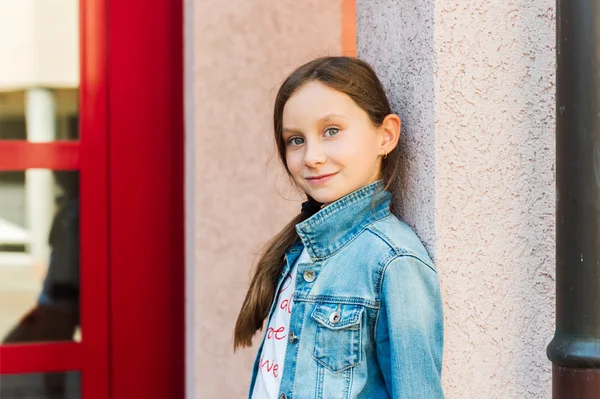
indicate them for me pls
(575, 349)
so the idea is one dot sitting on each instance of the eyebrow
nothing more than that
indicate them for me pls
(290, 130)
(326, 118)
(332, 116)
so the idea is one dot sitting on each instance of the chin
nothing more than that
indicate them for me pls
(326, 196)
(328, 192)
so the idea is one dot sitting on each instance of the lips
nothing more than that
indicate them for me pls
(316, 180)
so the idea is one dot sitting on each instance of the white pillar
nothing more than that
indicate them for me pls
(40, 109)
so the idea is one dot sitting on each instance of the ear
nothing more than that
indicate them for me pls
(389, 132)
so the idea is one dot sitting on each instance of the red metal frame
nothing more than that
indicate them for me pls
(19, 155)
(132, 231)
(43, 357)
(146, 198)
(89, 156)
(94, 183)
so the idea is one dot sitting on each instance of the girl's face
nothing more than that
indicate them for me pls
(332, 148)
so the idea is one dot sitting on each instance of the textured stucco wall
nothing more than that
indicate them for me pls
(474, 82)
(241, 51)
(401, 51)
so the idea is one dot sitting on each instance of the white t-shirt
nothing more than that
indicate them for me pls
(270, 367)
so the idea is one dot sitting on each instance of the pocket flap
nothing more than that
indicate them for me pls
(347, 315)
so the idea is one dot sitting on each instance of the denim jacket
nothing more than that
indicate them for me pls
(367, 315)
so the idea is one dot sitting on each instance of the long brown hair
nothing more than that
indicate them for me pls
(348, 75)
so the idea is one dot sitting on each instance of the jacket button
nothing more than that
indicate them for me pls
(292, 337)
(309, 276)
(334, 318)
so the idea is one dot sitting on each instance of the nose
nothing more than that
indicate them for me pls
(314, 155)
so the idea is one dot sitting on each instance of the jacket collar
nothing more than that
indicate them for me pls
(334, 226)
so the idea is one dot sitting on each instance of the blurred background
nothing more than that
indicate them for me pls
(39, 215)
(39, 81)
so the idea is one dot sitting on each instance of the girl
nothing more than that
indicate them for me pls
(350, 295)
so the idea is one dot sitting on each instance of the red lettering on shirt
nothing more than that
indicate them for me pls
(286, 304)
(277, 334)
(271, 366)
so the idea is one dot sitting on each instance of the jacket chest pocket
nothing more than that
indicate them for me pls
(338, 335)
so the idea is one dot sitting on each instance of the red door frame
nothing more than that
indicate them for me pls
(146, 174)
(130, 159)
(89, 156)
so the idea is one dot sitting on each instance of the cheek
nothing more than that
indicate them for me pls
(356, 151)
(293, 160)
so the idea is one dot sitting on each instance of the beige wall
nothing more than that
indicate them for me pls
(474, 82)
(240, 52)
(495, 128)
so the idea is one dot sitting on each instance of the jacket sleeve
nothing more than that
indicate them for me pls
(409, 330)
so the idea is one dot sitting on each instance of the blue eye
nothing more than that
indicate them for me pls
(296, 141)
(332, 131)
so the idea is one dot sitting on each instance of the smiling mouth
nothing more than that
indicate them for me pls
(316, 180)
